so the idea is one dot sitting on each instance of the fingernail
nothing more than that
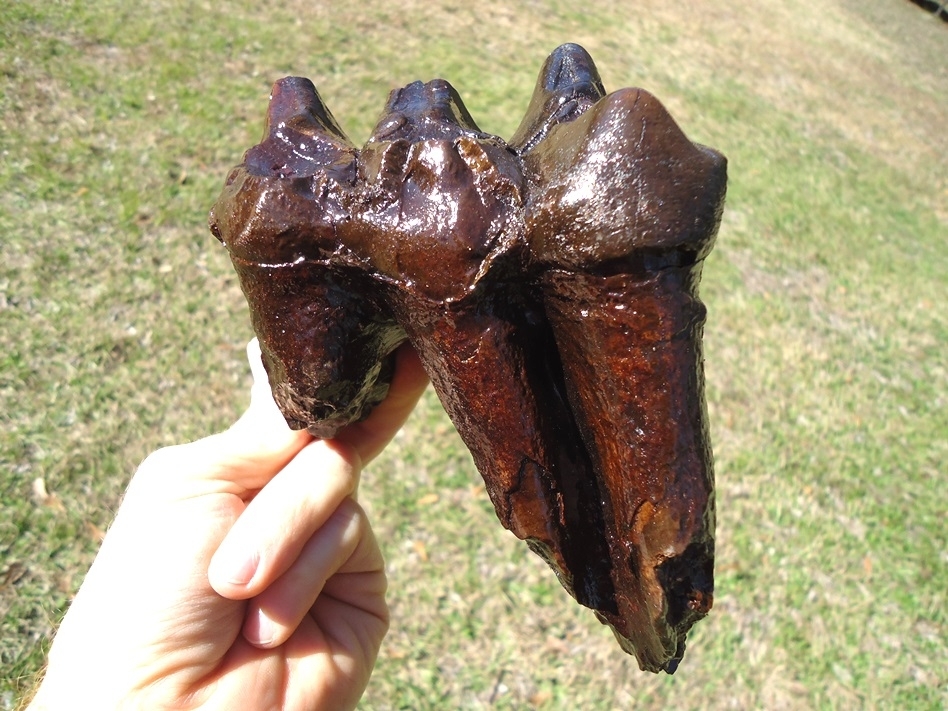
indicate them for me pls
(255, 358)
(236, 570)
(260, 634)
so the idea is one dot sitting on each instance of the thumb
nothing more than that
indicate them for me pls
(260, 443)
(262, 418)
(245, 456)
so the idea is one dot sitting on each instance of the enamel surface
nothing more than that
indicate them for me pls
(549, 285)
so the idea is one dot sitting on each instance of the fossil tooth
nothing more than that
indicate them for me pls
(549, 286)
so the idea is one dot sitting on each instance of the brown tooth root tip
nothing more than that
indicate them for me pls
(549, 285)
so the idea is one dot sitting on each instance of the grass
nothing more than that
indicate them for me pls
(122, 328)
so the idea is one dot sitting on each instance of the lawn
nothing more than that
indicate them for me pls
(122, 328)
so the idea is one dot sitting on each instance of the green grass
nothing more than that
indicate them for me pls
(122, 328)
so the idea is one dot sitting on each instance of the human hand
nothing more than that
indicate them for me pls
(239, 572)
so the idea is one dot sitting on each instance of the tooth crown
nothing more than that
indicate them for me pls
(549, 286)
(621, 179)
(439, 200)
(282, 204)
(439, 190)
(424, 112)
(567, 86)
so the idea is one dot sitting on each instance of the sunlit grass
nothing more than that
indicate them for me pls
(122, 328)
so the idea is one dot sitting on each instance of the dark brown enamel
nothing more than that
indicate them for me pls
(549, 286)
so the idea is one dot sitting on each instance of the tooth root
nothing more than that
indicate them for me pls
(493, 376)
(631, 350)
(326, 345)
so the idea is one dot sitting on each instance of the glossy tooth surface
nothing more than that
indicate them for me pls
(549, 286)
